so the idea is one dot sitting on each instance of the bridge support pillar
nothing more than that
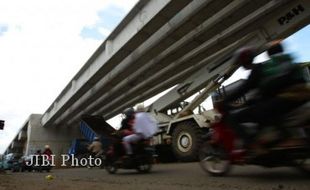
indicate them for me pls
(59, 138)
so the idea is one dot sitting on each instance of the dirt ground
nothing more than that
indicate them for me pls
(177, 176)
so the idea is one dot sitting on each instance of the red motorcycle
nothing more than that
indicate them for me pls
(222, 149)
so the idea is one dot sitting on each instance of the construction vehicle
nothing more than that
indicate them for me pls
(179, 127)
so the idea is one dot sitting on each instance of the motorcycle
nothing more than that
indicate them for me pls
(141, 160)
(222, 149)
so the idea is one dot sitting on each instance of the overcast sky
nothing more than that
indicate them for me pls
(43, 43)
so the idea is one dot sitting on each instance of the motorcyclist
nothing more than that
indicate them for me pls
(144, 127)
(273, 81)
(127, 122)
(48, 152)
(95, 147)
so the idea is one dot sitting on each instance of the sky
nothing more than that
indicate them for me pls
(44, 43)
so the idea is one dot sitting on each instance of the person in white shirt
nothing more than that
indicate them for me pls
(145, 126)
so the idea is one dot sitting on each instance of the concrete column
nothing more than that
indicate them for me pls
(58, 138)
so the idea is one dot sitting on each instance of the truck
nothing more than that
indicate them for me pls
(181, 128)
(91, 126)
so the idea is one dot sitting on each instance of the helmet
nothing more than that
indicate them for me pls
(245, 56)
(275, 47)
(140, 108)
(128, 112)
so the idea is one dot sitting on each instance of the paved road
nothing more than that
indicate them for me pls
(164, 176)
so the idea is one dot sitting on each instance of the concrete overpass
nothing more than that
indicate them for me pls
(159, 44)
(159, 41)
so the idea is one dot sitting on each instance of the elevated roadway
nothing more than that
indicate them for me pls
(161, 43)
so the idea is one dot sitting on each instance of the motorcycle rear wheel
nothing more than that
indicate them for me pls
(214, 160)
(144, 168)
(111, 168)
(304, 165)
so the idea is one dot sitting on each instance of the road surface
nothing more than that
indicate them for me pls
(177, 176)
